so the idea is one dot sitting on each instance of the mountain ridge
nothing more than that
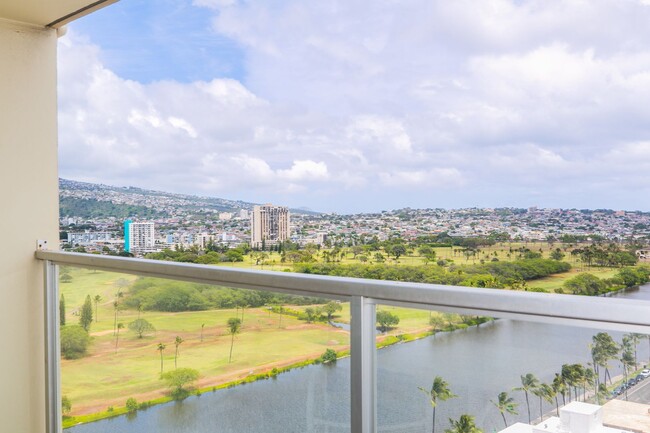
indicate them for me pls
(89, 199)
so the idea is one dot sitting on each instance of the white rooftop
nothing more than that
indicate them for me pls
(575, 417)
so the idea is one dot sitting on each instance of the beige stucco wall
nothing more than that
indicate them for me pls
(28, 211)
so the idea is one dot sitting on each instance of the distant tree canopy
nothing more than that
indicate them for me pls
(165, 295)
(491, 274)
(590, 285)
(213, 256)
(92, 208)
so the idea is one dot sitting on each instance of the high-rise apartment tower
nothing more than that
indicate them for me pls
(139, 237)
(269, 225)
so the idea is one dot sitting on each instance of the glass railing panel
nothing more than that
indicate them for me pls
(166, 356)
(469, 361)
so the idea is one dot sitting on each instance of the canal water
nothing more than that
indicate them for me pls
(478, 363)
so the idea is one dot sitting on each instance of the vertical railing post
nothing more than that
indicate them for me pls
(53, 417)
(363, 369)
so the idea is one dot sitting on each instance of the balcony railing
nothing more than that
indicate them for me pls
(594, 312)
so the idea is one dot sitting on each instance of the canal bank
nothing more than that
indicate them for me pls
(478, 363)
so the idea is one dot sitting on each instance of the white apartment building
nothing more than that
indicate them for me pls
(269, 225)
(85, 238)
(139, 237)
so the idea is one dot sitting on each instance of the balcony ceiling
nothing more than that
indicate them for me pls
(54, 13)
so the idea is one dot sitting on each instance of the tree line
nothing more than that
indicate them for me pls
(492, 274)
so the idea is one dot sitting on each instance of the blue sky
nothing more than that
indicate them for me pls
(163, 40)
(355, 106)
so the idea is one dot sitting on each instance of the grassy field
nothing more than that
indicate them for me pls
(109, 375)
(502, 252)
(112, 373)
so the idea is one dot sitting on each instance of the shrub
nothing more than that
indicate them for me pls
(328, 356)
(74, 342)
(131, 404)
(178, 379)
(66, 405)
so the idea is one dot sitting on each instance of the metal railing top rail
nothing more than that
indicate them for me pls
(596, 312)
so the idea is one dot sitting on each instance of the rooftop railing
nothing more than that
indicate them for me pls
(594, 312)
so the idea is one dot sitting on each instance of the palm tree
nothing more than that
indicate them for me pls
(505, 403)
(117, 335)
(603, 349)
(528, 383)
(97, 300)
(161, 349)
(543, 391)
(177, 342)
(465, 424)
(140, 307)
(559, 386)
(116, 306)
(589, 378)
(439, 391)
(234, 326)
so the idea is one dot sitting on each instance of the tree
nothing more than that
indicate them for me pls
(528, 383)
(627, 358)
(62, 311)
(161, 349)
(330, 308)
(465, 424)
(504, 404)
(328, 356)
(97, 300)
(543, 391)
(117, 335)
(74, 342)
(141, 327)
(572, 375)
(397, 250)
(66, 405)
(437, 321)
(86, 315)
(386, 319)
(559, 387)
(177, 342)
(178, 380)
(310, 314)
(131, 405)
(116, 307)
(439, 391)
(234, 326)
(603, 349)
(557, 254)
(635, 339)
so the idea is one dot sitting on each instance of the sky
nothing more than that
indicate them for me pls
(360, 106)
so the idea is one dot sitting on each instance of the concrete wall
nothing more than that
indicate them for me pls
(28, 212)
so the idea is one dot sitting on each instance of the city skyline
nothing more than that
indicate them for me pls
(359, 108)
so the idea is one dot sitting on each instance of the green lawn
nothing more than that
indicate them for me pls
(107, 377)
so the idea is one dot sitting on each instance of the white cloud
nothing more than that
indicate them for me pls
(305, 170)
(497, 99)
